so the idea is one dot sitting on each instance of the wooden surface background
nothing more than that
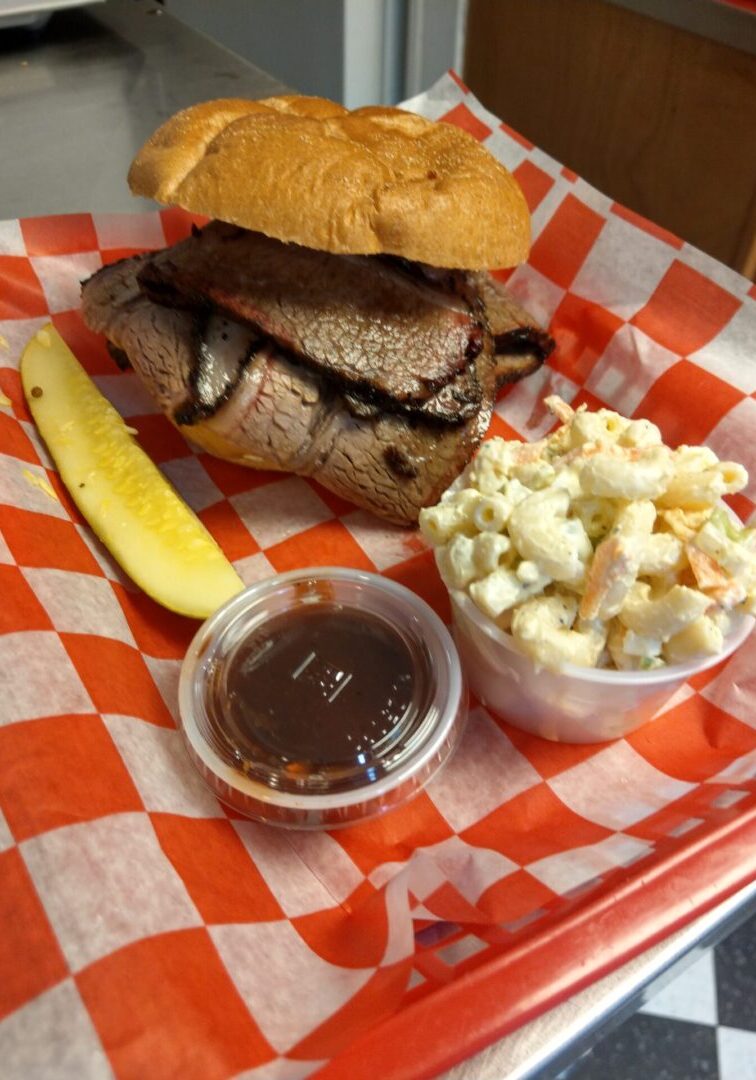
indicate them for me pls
(658, 118)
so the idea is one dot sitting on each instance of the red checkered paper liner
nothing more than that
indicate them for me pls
(147, 932)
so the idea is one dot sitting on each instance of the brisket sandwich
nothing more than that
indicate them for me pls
(336, 317)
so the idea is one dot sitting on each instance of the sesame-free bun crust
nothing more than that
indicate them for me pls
(307, 171)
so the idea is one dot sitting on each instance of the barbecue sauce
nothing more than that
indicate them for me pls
(320, 695)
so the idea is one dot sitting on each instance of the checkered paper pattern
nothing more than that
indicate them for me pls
(148, 931)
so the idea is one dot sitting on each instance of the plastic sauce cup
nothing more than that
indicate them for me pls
(320, 697)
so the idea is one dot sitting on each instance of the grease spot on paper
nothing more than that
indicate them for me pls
(40, 482)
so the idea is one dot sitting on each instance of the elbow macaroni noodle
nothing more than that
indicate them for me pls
(598, 545)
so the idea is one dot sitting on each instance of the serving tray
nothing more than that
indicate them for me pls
(149, 932)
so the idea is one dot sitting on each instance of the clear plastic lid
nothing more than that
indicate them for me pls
(321, 697)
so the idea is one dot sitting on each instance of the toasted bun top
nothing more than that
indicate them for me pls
(308, 171)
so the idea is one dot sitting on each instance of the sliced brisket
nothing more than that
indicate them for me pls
(230, 385)
(512, 327)
(354, 318)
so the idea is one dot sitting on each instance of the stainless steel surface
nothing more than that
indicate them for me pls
(543, 1048)
(79, 98)
(33, 12)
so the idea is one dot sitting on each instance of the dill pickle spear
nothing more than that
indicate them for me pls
(145, 524)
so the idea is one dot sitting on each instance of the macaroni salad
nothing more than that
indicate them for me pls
(598, 545)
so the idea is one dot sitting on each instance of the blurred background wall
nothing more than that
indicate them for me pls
(357, 51)
(652, 101)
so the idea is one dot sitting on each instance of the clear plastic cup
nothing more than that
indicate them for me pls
(320, 697)
(577, 704)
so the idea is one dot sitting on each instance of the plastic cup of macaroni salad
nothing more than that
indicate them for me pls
(575, 704)
(592, 573)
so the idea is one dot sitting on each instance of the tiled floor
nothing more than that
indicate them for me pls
(702, 1026)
